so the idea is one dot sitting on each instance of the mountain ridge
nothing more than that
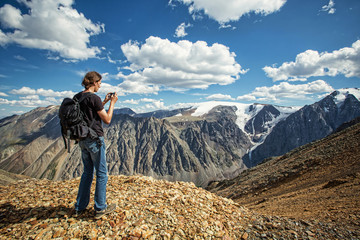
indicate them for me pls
(310, 123)
(205, 143)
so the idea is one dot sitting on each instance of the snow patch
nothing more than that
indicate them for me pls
(243, 112)
(344, 92)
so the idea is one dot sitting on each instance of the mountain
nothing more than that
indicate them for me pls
(201, 144)
(200, 152)
(127, 111)
(210, 141)
(310, 123)
(348, 124)
(146, 209)
(320, 180)
(31, 142)
(7, 178)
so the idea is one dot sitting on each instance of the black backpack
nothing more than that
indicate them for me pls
(73, 126)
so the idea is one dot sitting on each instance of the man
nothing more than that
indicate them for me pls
(93, 150)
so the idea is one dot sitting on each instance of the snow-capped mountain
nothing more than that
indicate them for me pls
(255, 120)
(245, 112)
(310, 123)
(340, 95)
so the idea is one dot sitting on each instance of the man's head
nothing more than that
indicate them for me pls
(92, 79)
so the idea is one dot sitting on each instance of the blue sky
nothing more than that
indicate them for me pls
(166, 54)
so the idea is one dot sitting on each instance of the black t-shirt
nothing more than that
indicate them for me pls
(90, 106)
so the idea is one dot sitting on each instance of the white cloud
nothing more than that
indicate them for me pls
(42, 92)
(247, 97)
(114, 61)
(180, 30)
(131, 84)
(329, 8)
(52, 93)
(23, 91)
(3, 94)
(223, 25)
(219, 96)
(10, 17)
(21, 58)
(145, 104)
(155, 104)
(50, 25)
(150, 104)
(159, 63)
(28, 97)
(4, 101)
(310, 63)
(231, 10)
(131, 101)
(288, 91)
(149, 100)
(31, 103)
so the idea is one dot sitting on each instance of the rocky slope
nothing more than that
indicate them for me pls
(31, 144)
(146, 209)
(320, 180)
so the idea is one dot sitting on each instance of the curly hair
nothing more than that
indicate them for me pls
(90, 79)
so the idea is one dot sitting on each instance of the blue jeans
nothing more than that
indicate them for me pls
(93, 156)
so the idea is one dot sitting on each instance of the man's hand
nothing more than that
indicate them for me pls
(107, 116)
(109, 97)
(113, 97)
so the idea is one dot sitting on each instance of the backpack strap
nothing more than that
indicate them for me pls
(67, 146)
(83, 97)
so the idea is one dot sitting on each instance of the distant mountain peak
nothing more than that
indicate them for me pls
(127, 111)
(340, 95)
(249, 116)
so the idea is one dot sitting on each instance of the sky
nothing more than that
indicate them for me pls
(168, 54)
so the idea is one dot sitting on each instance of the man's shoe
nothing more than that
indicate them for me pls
(109, 209)
(79, 213)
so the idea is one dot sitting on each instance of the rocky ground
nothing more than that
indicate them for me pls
(146, 209)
